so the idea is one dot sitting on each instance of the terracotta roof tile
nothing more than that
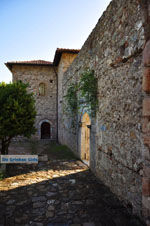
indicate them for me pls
(59, 52)
(57, 57)
(31, 62)
(67, 50)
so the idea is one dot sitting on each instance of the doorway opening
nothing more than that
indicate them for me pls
(85, 138)
(45, 130)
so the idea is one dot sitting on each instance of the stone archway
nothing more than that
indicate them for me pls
(45, 130)
(85, 138)
(49, 129)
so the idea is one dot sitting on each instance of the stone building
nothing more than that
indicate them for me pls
(116, 142)
(45, 81)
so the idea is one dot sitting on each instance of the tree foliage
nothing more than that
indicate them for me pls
(88, 89)
(71, 98)
(17, 113)
(84, 94)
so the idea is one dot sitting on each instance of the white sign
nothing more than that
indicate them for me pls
(18, 159)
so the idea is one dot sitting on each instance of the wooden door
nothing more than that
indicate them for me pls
(45, 130)
(85, 137)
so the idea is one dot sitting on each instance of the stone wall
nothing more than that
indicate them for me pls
(114, 51)
(45, 105)
(146, 113)
(65, 61)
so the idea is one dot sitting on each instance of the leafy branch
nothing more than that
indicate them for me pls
(83, 95)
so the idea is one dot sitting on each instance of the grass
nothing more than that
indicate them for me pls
(52, 149)
(2, 175)
(33, 147)
(57, 151)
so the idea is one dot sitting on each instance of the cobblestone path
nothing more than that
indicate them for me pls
(59, 193)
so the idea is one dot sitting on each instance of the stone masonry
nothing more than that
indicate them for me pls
(119, 152)
(66, 60)
(35, 74)
(50, 74)
(114, 51)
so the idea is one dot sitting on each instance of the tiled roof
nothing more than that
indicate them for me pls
(57, 57)
(67, 50)
(31, 62)
(59, 52)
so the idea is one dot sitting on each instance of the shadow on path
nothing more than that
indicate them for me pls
(59, 193)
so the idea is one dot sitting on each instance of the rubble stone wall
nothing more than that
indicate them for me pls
(114, 51)
(65, 61)
(45, 105)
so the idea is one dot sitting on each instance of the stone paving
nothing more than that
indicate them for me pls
(59, 193)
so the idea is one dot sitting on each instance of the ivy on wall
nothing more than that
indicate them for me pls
(83, 95)
(88, 90)
(71, 97)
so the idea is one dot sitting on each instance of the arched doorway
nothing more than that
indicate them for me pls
(45, 130)
(85, 138)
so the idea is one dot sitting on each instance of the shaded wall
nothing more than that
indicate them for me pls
(65, 61)
(114, 51)
(146, 112)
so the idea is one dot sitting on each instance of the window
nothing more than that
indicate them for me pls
(42, 89)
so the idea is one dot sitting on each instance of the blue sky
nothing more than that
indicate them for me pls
(33, 29)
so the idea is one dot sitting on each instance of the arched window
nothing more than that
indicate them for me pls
(42, 89)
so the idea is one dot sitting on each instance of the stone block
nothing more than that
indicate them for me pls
(146, 107)
(89, 224)
(146, 80)
(145, 212)
(146, 139)
(146, 186)
(146, 125)
(50, 214)
(38, 204)
(146, 152)
(146, 172)
(43, 158)
(146, 202)
(148, 222)
(75, 224)
(146, 54)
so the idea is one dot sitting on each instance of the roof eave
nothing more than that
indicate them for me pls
(59, 52)
(9, 65)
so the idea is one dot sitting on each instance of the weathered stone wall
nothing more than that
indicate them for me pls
(65, 61)
(114, 51)
(45, 105)
(146, 113)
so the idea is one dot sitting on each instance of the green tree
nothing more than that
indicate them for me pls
(17, 113)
